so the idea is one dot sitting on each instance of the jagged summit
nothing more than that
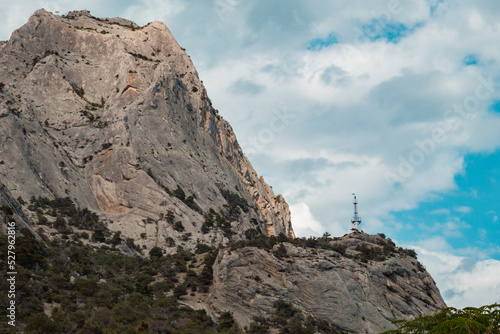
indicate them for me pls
(114, 116)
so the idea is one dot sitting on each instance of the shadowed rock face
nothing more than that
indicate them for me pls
(354, 294)
(115, 117)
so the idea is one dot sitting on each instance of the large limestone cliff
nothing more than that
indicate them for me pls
(360, 289)
(114, 116)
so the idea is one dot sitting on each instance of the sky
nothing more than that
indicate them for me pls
(396, 101)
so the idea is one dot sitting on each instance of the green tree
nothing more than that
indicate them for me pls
(227, 323)
(40, 323)
(30, 252)
(155, 252)
(180, 290)
(470, 320)
(280, 251)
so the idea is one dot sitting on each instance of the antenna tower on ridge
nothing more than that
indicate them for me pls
(356, 220)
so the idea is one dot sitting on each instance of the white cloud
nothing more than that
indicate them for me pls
(452, 227)
(440, 212)
(463, 281)
(150, 10)
(305, 223)
(463, 209)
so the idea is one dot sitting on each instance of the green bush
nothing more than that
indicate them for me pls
(202, 248)
(178, 226)
(179, 193)
(226, 322)
(470, 320)
(252, 234)
(116, 240)
(280, 252)
(41, 323)
(155, 252)
(180, 290)
(30, 252)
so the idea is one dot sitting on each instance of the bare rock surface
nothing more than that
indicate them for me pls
(344, 290)
(114, 116)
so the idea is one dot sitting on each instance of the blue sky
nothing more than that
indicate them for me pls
(397, 101)
(466, 215)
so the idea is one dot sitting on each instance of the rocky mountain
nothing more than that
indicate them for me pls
(135, 189)
(360, 283)
(114, 116)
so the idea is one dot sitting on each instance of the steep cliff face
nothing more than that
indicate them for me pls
(361, 288)
(114, 116)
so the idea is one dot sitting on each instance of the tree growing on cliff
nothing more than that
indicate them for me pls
(470, 320)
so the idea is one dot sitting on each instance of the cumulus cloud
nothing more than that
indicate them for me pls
(463, 281)
(306, 224)
(442, 211)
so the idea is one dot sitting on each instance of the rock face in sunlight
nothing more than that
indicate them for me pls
(114, 117)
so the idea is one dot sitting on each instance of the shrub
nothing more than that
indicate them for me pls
(42, 220)
(86, 287)
(41, 323)
(170, 242)
(178, 226)
(259, 326)
(226, 322)
(99, 236)
(60, 226)
(234, 201)
(30, 252)
(202, 248)
(280, 252)
(283, 311)
(252, 234)
(155, 252)
(116, 240)
(409, 252)
(180, 290)
(179, 193)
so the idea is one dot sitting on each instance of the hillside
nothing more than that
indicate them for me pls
(136, 210)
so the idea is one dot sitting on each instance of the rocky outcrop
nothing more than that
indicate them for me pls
(359, 291)
(115, 117)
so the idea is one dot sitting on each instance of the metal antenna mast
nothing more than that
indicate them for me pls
(356, 220)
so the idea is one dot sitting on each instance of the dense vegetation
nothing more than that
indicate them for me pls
(290, 321)
(89, 290)
(470, 320)
(383, 251)
(78, 280)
